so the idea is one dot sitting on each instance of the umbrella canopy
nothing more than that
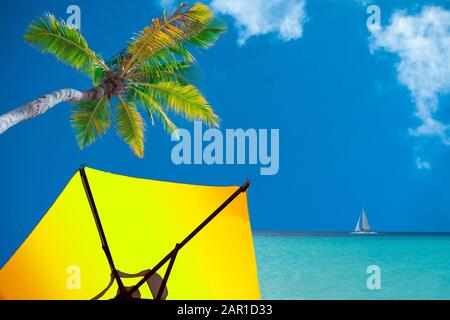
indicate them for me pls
(142, 220)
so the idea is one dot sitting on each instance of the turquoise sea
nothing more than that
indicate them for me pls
(334, 266)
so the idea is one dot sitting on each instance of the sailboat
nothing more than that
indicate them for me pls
(362, 226)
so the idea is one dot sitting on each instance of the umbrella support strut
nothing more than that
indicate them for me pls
(87, 189)
(166, 275)
(127, 293)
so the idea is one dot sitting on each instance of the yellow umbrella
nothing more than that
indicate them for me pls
(152, 232)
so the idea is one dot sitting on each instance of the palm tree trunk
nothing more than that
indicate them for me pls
(44, 103)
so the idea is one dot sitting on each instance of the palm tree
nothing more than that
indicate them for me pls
(148, 73)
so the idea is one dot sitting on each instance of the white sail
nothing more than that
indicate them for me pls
(365, 222)
(358, 225)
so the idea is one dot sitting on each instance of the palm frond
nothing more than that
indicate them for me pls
(67, 44)
(168, 32)
(179, 52)
(209, 34)
(130, 126)
(90, 120)
(153, 108)
(97, 74)
(164, 72)
(166, 58)
(182, 99)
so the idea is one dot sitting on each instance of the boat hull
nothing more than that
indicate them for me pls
(363, 232)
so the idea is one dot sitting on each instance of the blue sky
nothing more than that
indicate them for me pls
(362, 114)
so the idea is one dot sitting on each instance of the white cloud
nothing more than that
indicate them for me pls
(422, 164)
(422, 42)
(260, 17)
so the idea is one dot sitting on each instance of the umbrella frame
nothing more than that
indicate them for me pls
(125, 293)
